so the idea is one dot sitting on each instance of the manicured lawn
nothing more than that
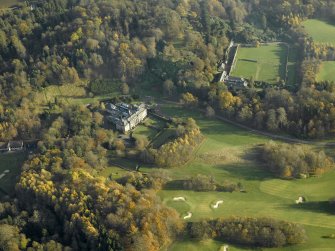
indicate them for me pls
(12, 162)
(150, 128)
(327, 71)
(142, 130)
(191, 245)
(265, 63)
(320, 31)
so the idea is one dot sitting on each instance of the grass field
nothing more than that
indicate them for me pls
(320, 31)
(8, 3)
(113, 171)
(227, 154)
(326, 72)
(265, 63)
(13, 163)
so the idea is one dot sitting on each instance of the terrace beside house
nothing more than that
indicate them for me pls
(124, 116)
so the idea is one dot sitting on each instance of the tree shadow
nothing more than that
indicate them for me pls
(251, 168)
(329, 150)
(248, 60)
(246, 171)
(253, 154)
(174, 185)
(315, 206)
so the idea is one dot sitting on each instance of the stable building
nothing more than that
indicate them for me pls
(11, 146)
(235, 82)
(124, 116)
(15, 146)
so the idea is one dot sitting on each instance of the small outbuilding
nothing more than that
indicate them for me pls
(15, 146)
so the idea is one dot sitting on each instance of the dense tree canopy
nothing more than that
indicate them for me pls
(294, 161)
(61, 202)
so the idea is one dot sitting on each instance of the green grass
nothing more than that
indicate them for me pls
(326, 72)
(320, 31)
(142, 130)
(146, 128)
(66, 92)
(8, 3)
(12, 162)
(181, 206)
(191, 245)
(113, 171)
(265, 63)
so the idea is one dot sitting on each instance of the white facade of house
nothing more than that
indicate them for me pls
(126, 117)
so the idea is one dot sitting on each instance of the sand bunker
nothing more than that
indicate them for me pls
(224, 248)
(179, 199)
(4, 174)
(189, 215)
(217, 204)
(300, 200)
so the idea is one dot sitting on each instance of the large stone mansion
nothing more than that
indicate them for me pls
(126, 117)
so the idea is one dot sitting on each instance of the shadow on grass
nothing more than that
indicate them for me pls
(174, 185)
(253, 154)
(329, 150)
(250, 168)
(245, 171)
(315, 206)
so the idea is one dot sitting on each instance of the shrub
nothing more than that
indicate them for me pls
(200, 183)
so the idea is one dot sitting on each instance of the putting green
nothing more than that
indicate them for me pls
(181, 206)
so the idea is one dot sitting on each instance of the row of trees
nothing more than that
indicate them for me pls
(255, 232)
(309, 113)
(208, 183)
